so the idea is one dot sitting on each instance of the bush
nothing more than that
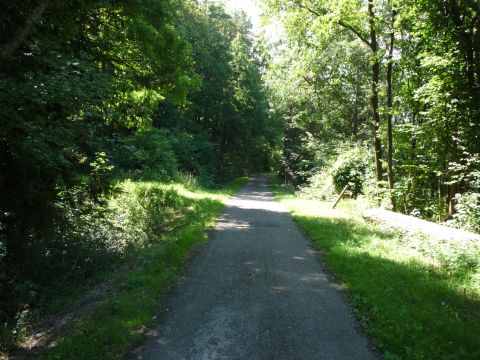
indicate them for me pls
(348, 167)
(149, 155)
(467, 204)
(195, 153)
(86, 239)
(350, 173)
(144, 211)
(302, 158)
(467, 214)
(79, 244)
(100, 179)
(320, 186)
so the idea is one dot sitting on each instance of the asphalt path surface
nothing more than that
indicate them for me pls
(256, 291)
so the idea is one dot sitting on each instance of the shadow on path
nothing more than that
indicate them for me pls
(257, 291)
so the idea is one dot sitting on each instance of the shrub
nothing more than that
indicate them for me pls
(320, 186)
(100, 179)
(467, 204)
(467, 214)
(195, 152)
(350, 173)
(86, 238)
(149, 155)
(348, 167)
(144, 211)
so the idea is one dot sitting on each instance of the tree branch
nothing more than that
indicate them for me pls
(23, 32)
(355, 31)
(310, 10)
(341, 23)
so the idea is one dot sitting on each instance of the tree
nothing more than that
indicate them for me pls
(391, 48)
(358, 20)
(427, 90)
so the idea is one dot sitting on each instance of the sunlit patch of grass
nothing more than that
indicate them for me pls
(417, 298)
(110, 331)
(220, 194)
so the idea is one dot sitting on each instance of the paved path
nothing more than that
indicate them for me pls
(257, 291)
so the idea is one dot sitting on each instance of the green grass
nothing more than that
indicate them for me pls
(113, 328)
(417, 298)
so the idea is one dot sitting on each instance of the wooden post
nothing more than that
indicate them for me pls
(340, 196)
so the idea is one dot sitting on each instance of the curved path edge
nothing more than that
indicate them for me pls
(256, 291)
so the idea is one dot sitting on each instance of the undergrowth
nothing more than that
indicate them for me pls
(151, 228)
(418, 298)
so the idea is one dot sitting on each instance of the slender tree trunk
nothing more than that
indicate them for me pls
(413, 159)
(24, 31)
(476, 46)
(373, 45)
(390, 111)
(464, 36)
(357, 99)
(453, 186)
(374, 93)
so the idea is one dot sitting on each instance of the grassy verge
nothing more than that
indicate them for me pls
(120, 321)
(417, 298)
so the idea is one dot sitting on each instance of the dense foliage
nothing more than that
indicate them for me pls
(402, 75)
(100, 100)
(415, 296)
(96, 92)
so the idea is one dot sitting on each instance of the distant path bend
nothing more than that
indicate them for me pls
(257, 291)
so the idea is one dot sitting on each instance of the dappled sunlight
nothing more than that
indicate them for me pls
(398, 280)
(259, 281)
(223, 224)
(386, 243)
(315, 208)
(248, 204)
(404, 249)
(313, 277)
(197, 194)
(259, 200)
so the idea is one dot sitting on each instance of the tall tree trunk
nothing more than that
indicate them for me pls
(453, 186)
(357, 99)
(413, 160)
(374, 93)
(390, 111)
(373, 45)
(24, 31)
(464, 34)
(476, 46)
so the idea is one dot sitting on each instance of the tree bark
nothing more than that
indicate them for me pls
(24, 31)
(476, 46)
(357, 99)
(373, 45)
(464, 35)
(453, 186)
(390, 111)
(374, 92)
(411, 187)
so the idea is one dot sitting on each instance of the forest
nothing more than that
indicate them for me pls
(396, 79)
(98, 97)
(111, 110)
